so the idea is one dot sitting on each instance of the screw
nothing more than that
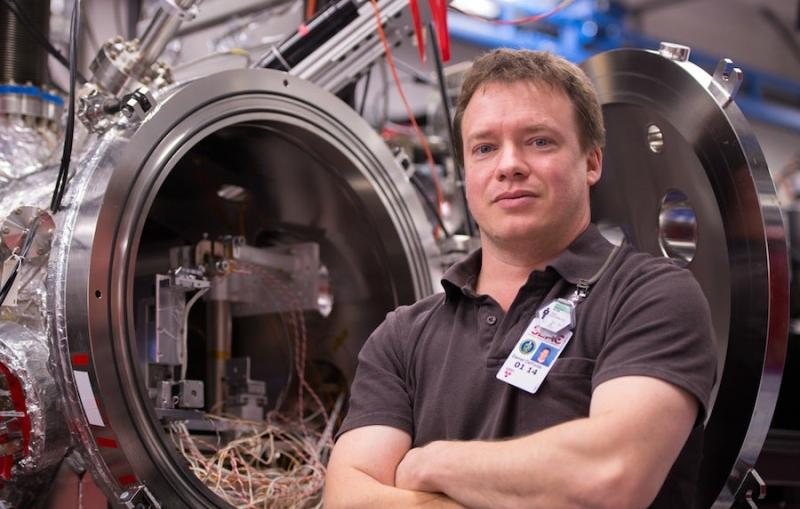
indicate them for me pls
(6, 230)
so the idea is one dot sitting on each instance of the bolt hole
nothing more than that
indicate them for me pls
(677, 227)
(285, 83)
(98, 294)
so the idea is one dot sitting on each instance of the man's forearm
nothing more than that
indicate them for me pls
(617, 458)
(353, 489)
(539, 470)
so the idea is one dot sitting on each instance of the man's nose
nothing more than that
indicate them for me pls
(510, 164)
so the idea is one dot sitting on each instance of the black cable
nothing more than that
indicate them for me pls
(437, 59)
(428, 203)
(69, 132)
(364, 92)
(26, 248)
(38, 35)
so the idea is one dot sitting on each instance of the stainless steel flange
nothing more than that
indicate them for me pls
(684, 177)
(313, 170)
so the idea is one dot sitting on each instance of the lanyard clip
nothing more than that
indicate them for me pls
(581, 290)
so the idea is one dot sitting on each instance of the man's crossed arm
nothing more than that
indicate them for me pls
(618, 457)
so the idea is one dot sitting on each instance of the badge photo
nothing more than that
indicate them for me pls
(545, 354)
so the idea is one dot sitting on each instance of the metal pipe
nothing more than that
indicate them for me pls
(218, 348)
(160, 31)
(22, 59)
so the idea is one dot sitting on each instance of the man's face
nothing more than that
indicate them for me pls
(543, 354)
(527, 178)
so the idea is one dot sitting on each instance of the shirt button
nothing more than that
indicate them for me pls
(491, 319)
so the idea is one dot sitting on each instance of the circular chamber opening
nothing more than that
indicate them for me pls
(677, 228)
(265, 261)
(655, 139)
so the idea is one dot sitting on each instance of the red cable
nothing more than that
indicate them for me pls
(311, 9)
(519, 21)
(420, 134)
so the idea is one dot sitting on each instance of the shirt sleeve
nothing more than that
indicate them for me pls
(379, 393)
(660, 326)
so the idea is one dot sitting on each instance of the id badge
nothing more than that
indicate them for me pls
(539, 346)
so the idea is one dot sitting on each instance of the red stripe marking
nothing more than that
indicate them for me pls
(80, 359)
(303, 30)
(106, 442)
(127, 480)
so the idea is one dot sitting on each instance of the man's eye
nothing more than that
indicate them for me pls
(483, 149)
(542, 142)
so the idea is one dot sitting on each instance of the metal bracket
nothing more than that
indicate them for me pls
(676, 52)
(138, 497)
(136, 105)
(725, 82)
(751, 489)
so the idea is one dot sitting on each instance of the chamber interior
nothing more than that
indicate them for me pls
(266, 259)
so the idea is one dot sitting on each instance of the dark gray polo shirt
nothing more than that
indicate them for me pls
(429, 369)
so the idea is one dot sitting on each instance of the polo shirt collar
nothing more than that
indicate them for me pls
(584, 257)
(581, 260)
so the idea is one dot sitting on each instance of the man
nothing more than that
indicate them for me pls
(543, 355)
(616, 420)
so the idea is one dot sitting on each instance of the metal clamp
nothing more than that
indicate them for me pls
(751, 489)
(136, 105)
(138, 497)
(725, 82)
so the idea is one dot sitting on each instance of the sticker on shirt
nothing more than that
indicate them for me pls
(534, 354)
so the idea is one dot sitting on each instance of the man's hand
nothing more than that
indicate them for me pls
(411, 473)
(361, 473)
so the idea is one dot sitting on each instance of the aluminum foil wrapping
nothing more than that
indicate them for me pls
(26, 353)
(32, 190)
(24, 148)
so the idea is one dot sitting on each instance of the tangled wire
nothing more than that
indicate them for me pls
(275, 464)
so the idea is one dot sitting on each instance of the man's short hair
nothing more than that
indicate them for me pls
(509, 66)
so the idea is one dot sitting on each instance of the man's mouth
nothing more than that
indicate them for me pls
(511, 197)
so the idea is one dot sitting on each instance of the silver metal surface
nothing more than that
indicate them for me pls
(316, 172)
(15, 227)
(163, 28)
(350, 52)
(672, 51)
(220, 345)
(725, 82)
(30, 106)
(708, 154)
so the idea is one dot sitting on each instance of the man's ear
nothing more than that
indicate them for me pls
(594, 165)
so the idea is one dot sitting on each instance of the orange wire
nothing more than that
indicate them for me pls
(311, 9)
(420, 134)
(519, 21)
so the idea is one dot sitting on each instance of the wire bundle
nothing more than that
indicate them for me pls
(278, 463)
